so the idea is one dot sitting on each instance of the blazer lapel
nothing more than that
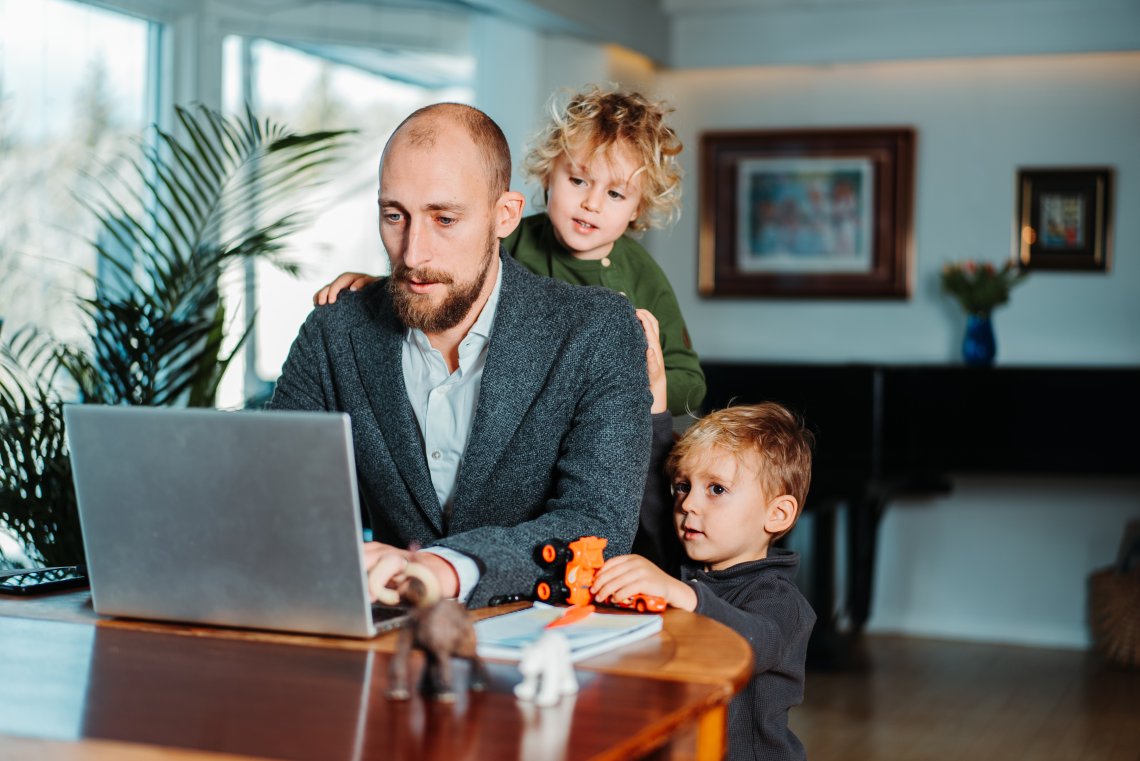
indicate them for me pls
(510, 381)
(378, 355)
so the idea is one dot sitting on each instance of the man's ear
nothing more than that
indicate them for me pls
(508, 213)
(781, 514)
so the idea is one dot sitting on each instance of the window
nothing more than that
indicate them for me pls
(314, 87)
(76, 87)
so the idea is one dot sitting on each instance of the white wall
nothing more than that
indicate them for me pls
(998, 560)
(1001, 559)
(507, 86)
(977, 121)
(761, 32)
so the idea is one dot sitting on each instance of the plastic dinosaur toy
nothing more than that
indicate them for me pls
(441, 629)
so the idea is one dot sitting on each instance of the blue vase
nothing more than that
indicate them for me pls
(979, 347)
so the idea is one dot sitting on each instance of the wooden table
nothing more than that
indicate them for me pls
(76, 686)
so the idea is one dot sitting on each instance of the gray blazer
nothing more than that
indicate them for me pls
(560, 440)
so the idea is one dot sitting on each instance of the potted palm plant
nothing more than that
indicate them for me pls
(37, 501)
(171, 225)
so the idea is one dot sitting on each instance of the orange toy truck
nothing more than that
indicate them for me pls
(570, 569)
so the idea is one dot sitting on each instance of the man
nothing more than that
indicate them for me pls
(492, 409)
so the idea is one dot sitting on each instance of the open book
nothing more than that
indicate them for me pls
(505, 636)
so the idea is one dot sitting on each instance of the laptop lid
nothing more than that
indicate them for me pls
(246, 519)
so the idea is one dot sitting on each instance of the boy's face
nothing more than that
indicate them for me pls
(591, 201)
(720, 509)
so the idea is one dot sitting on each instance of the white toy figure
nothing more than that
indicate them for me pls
(546, 660)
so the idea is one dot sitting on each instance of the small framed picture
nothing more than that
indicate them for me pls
(813, 213)
(1064, 218)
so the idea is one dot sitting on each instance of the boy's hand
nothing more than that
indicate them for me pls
(654, 360)
(353, 281)
(627, 575)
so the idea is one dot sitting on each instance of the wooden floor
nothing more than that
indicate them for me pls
(929, 700)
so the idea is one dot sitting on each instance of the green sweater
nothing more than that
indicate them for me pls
(631, 271)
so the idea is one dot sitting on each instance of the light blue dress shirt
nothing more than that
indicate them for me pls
(444, 404)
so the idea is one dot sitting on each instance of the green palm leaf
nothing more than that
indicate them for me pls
(174, 222)
(37, 501)
(171, 224)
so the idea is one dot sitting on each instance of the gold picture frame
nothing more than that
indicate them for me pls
(1063, 218)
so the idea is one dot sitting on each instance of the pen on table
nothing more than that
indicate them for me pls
(573, 614)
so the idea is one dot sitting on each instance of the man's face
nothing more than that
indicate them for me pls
(434, 312)
(437, 223)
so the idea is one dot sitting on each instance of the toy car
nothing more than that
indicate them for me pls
(571, 568)
(641, 603)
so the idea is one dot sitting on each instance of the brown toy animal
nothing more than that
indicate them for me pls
(441, 630)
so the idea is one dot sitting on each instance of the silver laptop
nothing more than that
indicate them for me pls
(246, 519)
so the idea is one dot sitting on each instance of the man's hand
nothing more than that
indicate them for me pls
(654, 360)
(627, 575)
(353, 281)
(444, 572)
(385, 565)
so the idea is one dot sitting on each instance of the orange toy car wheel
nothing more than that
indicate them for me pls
(640, 606)
(550, 589)
(553, 552)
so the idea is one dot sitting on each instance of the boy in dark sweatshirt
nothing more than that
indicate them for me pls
(739, 477)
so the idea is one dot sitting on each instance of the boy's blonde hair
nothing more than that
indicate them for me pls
(600, 118)
(776, 438)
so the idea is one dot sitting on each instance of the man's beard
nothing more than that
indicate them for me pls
(418, 311)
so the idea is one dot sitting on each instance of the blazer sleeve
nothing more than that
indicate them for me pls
(305, 382)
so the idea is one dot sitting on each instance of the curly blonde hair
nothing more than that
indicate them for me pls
(599, 118)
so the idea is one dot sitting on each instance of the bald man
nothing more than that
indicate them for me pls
(491, 408)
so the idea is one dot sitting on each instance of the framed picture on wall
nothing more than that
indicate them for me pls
(812, 213)
(1063, 218)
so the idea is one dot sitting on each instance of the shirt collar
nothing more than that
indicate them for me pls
(486, 320)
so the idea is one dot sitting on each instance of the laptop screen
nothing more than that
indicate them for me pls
(247, 519)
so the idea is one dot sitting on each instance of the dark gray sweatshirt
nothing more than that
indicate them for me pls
(760, 601)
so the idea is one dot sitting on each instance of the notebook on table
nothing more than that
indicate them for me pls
(241, 519)
(508, 635)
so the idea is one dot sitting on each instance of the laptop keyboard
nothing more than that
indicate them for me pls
(387, 617)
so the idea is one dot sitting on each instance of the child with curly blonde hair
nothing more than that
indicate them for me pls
(607, 165)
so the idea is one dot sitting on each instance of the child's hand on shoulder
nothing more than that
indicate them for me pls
(353, 281)
(654, 360)
(627, 575)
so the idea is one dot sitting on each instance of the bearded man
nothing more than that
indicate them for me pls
(492, 409)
